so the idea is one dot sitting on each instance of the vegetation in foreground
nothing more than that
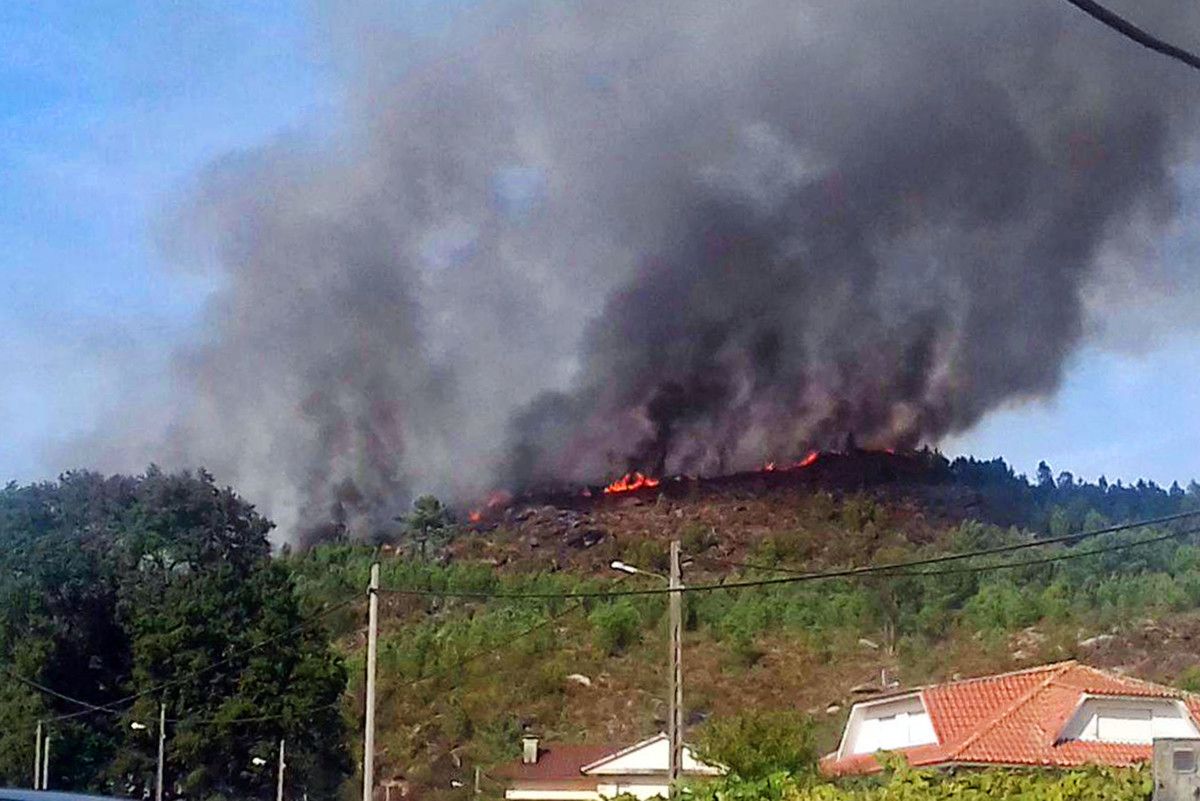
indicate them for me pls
(128, 592)
(118, 586)
(771, 756)
(902, 783)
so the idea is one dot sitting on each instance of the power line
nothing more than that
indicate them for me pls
(328, 610)
(980, 568)
(1061, 557)
(254, 719)
(1128, 29)
(793, 579)
(111, 707)
(541, 624)
(88, 707)
(894, 568)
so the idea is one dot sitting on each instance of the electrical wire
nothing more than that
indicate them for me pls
(254, 719)
(89, 707)
(187, 677)
(541, 624)
(111, 707)
(894, 568)
(793, 579)
(1131, 31)
(976, 568)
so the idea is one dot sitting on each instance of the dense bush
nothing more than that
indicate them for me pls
(906, 784)
(757, 744)
(616, 626)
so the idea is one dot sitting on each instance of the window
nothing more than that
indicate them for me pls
(1184, 761)
(1136, 721)
(889, 726)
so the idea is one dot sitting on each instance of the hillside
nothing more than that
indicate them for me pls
(461, 678)
(120, 593)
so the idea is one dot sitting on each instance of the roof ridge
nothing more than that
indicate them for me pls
(620, 752)
(918, 689)
(1055, 670)
(1048, 667)
(1176, 692)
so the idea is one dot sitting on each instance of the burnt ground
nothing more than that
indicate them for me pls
(729, 517)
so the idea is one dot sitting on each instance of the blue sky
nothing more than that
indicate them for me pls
(108, 109)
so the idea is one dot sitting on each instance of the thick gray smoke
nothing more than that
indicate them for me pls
(683, 235)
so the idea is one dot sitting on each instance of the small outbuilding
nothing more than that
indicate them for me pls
(555, 772)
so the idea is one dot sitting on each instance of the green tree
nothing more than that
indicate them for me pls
(152, 589)
(616, 626)
(1045, 476)
(757, 744)
(429, 522)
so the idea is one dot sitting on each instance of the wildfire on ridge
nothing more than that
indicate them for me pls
(807, 461)
(630, 482)
(811, 459)
(496, 499)
(636, 480)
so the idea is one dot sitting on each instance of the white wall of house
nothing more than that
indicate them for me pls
(644, 788)
(1128, 720)
(640, 771)
(639, 789)
(887, 725)
(649, 756)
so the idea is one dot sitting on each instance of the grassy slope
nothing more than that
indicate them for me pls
(459, 679)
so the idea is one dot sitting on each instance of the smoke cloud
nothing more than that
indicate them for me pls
(683, 236)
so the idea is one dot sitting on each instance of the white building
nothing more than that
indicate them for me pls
(1060, 715)
(552, 772)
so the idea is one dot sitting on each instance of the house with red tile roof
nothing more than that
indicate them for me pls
(553, 772)
(1060, 715)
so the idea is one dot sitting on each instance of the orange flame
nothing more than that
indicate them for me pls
(809, 460)
(630, 482)
(769, 467)
(495, 499)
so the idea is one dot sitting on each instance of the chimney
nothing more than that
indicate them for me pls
(529, 748)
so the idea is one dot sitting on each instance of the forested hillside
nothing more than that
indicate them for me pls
(122, 592)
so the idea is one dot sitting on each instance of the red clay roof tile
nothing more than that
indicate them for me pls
(1015, 719)
(557, 762)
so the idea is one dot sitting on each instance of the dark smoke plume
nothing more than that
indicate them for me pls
(682, 235)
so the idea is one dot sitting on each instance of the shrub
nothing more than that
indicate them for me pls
(1189, 679)
(755, 745)
(616, 626)
(697, 538)
(745, 650)
(905, 784)
(1001, 606)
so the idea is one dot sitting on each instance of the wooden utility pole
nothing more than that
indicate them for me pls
(675, 707)
(162, 751)
(282, 766)
(37, 758)
(369, 715)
